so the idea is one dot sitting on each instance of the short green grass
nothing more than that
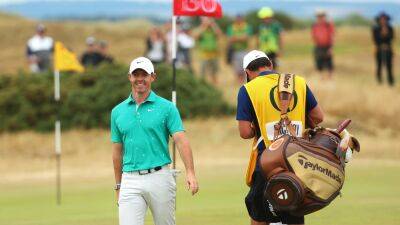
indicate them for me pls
(371, 195)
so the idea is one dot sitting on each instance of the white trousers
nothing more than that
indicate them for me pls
(156, 190)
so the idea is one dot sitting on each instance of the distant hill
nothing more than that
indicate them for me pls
(161, 10)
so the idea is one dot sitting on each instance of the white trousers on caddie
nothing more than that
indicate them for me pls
(156, 190)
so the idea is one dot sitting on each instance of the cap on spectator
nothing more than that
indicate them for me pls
(384, 15)
(90, 40)
(265, 12)
(251, 56)
(103, 43)
(40, 27)
(320, 12)
(185, 26)
(141, 63)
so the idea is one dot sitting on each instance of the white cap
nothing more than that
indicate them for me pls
(40, 27)
(320, 12)
(90, 40)
(251, 56)
(141, 63)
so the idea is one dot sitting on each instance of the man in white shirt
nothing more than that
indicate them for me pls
(39, 50)
(185, 43)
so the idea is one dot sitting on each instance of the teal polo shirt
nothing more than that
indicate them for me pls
(144, 131)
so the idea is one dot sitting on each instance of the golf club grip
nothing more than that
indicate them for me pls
(343, 125)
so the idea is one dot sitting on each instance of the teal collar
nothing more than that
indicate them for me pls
(151, 98)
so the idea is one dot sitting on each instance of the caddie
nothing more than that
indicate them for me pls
(140, 129)
(257, 113)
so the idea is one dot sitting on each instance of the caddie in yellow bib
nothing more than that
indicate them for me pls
(267, 107)
(261, 106)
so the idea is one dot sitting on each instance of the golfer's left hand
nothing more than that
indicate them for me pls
(191, 183)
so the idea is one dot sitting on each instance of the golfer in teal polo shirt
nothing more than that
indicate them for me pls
(140, 129)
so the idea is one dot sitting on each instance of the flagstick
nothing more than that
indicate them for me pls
(174, 18)
(57, 134)
(58, 160)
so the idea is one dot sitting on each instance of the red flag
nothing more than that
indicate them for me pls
(210, 8)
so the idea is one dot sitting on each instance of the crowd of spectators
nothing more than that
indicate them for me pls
(207, 36)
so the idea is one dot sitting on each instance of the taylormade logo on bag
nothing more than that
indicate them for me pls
(303, 161)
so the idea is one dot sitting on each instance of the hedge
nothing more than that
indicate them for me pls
(27, 100)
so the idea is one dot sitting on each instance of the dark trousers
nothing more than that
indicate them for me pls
(323, 58)
(384, 58)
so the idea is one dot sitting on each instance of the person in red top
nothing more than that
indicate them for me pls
(323, 34)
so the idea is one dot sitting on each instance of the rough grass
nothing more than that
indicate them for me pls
(370, 196)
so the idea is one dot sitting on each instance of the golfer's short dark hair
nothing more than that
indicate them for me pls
(258, 63)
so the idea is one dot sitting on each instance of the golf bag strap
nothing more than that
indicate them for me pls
(286, 87)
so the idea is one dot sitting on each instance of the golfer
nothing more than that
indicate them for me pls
(257, 113)
(140, 130)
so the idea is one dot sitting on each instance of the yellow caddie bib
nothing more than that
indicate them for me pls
(263, 93)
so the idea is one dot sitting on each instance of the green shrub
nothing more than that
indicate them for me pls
(27, 100)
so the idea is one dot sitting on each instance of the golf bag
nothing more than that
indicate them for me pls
(306, 174)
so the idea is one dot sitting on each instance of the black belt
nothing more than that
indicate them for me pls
(144, 172)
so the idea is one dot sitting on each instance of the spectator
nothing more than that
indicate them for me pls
(239, 34)
(270, 35)
(103, 50)
(167, 28)
(91, 57)
(156, 47)
(323, 37)
(207, 36)
(383, 37)
(39, 50)
(185, 43)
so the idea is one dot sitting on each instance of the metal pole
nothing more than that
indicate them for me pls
(174, 18)
(57, 86)
(57, 135)
(58, 160)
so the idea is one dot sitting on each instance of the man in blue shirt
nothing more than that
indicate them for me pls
(140, 130)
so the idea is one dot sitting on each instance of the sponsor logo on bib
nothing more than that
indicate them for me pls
(298, 127)
(273, 97)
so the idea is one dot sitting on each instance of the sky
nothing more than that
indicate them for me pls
(61, 9)
(10, 2)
